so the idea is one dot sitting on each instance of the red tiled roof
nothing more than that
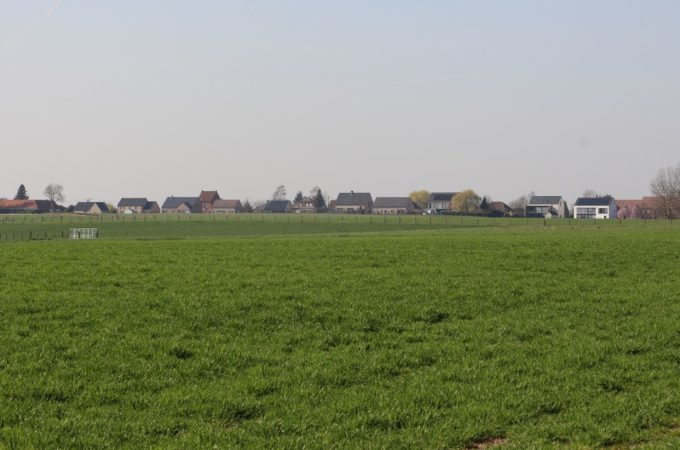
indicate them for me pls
(209, 196)
(18, 204)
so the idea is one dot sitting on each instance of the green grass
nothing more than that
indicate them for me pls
(377, 336)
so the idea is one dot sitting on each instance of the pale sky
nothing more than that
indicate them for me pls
(166, 97)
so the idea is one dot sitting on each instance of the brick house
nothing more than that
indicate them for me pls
(644, 208)
(207, 199)
(306, 205)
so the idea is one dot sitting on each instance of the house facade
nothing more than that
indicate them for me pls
(90, 208)
(440, 201)
(595, 208)
(547, 206)
(186, 205)
(395, 205)
(275, 207)
(306, 205)
(354, 203)
(138, 206)
(227, 206)
(644, 208)
(207, 199)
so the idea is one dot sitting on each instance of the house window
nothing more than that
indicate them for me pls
(603, 210)
(585, 213)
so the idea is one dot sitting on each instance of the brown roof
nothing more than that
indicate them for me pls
(209, 196)
(499, 206)
(227, 204)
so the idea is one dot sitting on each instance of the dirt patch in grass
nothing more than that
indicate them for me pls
(488, 443)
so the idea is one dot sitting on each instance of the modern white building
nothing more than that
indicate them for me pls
(547, 206)
(595, 208)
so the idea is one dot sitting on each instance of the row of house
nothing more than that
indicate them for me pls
(355, 203)
(605, 207)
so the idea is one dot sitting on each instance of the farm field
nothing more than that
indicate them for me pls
(432, 334)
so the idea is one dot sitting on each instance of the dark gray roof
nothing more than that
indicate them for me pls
(132, 202)
(441, 196)
(593, 201)
(174, 202)
(545, 200)
(393, 202)
(86, 206)
(277, 206)
(149, 205)
(354, 198)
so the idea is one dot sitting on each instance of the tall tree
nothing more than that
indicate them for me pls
(247, 207)
(298, 197)
(420, 198)
(21, 193)
(54, 193)
(484, 205)
(466, 201)
(279, 193)
(666, 190)
(319, 200)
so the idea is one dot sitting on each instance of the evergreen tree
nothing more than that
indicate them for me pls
(484, 205)
(21, 193)
(298, 197)
(319, 201)
(247, 207)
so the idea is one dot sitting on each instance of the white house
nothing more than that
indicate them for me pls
(547, 206)
(440, 201)
(595, 208)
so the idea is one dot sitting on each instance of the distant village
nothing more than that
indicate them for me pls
(465, 202)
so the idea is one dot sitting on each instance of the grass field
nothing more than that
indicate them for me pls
(342, 335)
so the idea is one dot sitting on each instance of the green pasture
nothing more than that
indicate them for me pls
(190, 226)
(351, 333)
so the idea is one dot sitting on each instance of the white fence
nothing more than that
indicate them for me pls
(83, 233)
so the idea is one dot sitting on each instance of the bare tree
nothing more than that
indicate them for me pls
(521, 202)
(279, 193)
(666, 190)
(590, 193)
(54, 193)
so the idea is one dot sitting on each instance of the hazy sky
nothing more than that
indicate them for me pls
(161, 97)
